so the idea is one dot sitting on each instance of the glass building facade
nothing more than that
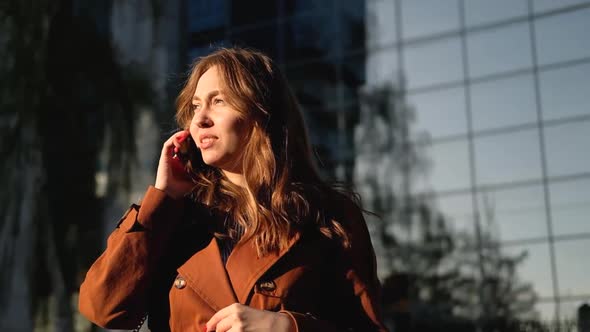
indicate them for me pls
(475, 111)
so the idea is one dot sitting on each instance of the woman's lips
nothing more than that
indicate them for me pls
(207, 141)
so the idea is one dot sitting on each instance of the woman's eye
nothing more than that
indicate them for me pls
(195, 107)
(218, 101)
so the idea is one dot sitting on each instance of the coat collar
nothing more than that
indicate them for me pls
(219, 286)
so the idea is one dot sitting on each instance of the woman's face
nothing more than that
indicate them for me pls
(217, 128)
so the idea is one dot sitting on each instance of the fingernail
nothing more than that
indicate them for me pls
(175, 150)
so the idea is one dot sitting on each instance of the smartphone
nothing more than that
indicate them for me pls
(190, 155)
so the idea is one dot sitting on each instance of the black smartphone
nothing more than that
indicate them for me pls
(190, 155)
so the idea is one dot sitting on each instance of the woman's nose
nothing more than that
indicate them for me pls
(203, 120)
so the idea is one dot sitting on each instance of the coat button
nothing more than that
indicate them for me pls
(267, 286)
(179, 282)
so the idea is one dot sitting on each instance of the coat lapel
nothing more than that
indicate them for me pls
(244, 267)
(205, 274)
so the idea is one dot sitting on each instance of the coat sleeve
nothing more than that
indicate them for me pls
(361, 274)
(114, 293)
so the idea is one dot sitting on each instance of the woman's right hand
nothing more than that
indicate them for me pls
(171, 176)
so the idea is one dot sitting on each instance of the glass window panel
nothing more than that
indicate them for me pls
(439, 113)
(571, 270)
(567, 147)
(535, 268)
(484, 11)
(513, 214)
(352, 27)
(243, 12)
(504, 102)
(458, 212)
(206, 15)
(544, 5)
(563, 37)
(310, 36)
(426, 17)
(381, 24)
(499, 50)
(565, 91)
(314, 83)
(434, 63)
(262, 38)
(570, 206)
(295, 7)
(508, 157)
(382, 66)
(448, 167)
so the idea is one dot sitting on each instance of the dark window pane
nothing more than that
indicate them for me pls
(262, 38)
(314, 83)
(310, 36)
(206, 15)
(248, 12)
(296, 7)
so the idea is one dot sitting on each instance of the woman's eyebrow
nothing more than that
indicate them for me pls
(209, 95)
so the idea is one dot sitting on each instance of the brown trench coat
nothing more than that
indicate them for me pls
(161, 260)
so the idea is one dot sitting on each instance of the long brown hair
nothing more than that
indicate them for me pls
(284, 191)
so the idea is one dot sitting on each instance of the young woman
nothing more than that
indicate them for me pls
(239, 233)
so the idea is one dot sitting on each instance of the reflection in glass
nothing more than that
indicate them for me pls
(504, 102)
(567, 148)
(426, 17)
(572, 267)
(352, 25)
(499, 50)
(513, 214)
(508, 157)
(439, 113)
(565, 91)
(449, 167)
(546, 310)
(484, 11)
(458, 212)
(563, 37)
(570, 206)
(568, 310)
(434, 62)
(380, 23)
(544, 5)
(382, 66)
(310, 36)
(535, 269)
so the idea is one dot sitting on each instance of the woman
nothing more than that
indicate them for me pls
(238, 233)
